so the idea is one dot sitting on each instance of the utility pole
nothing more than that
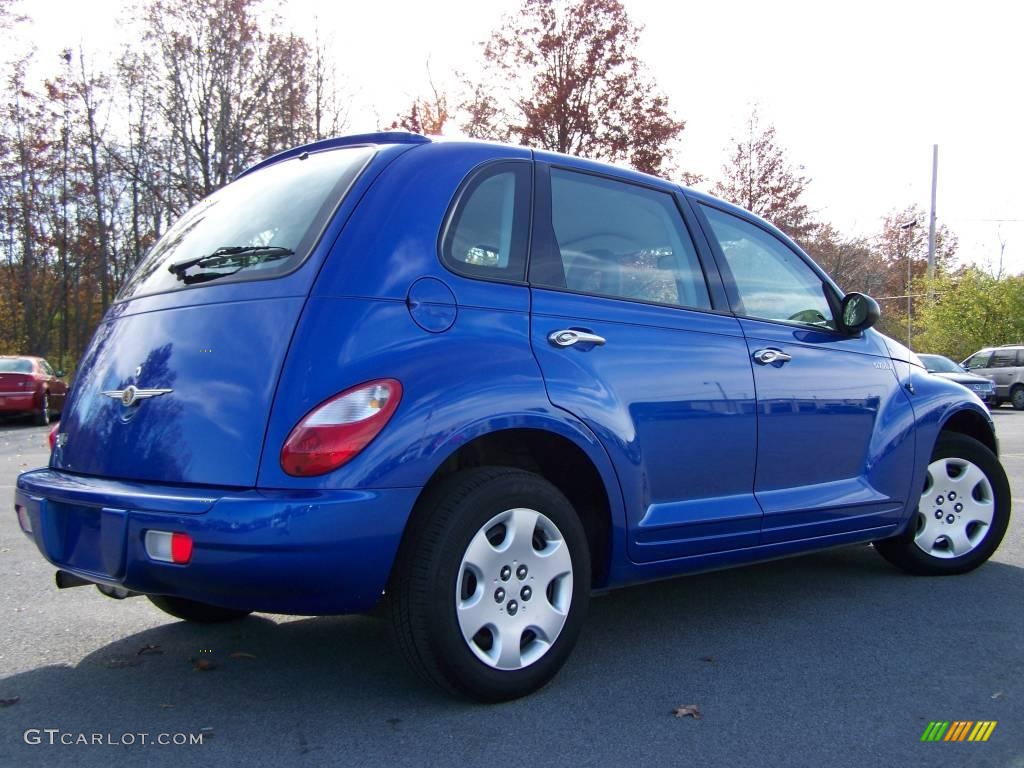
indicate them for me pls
(931, 221)
(907, 227)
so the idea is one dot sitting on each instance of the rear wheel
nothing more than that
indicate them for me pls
(1017, 397)
(42, 418)
(491, 584)
(962, 514)
(190, 610)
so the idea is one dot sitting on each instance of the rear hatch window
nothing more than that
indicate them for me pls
(15, 366)
(262, 225)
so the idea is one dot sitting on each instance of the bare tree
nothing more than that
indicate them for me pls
(760, 178)
(426, 114)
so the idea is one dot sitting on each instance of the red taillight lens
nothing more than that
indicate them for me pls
(339, 428)
(53, 435)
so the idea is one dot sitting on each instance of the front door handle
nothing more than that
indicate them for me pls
(769, 356)
(571, 336)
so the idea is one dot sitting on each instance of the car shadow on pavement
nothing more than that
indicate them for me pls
(770, 649)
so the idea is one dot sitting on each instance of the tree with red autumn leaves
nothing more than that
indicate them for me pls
(564, 76)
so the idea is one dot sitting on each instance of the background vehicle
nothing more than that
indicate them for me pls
(484, 381)
(1004, 366)
(28, 385)
(947, 369)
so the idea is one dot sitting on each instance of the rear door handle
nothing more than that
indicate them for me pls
(769, 356)
(571, 336)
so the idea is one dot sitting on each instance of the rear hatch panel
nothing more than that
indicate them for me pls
(220, 362)
(218, 347)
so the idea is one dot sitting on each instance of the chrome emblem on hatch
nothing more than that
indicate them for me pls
(132, 394)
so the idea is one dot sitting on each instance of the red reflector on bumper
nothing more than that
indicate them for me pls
(181, 548)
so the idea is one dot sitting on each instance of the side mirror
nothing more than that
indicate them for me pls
(857, 312)
(59, 373)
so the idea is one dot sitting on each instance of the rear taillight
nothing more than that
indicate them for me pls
(339, 428)
(53, 435)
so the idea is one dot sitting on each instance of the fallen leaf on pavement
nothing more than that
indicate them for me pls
(10, 702)
(708, 659)
(204, 665)
(687, 710)
(998, 695)
(154, 649)
(166, 706)
(242, 655)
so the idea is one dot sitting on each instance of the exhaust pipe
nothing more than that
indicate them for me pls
(67, 580)
(118, 593)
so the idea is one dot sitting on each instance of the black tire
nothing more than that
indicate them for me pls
(200, 613)
(424, 588)
(903, 551)
(42, 418)
(1017, 397)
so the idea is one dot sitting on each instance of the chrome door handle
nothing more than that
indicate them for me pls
(570, 336)
(769, 356)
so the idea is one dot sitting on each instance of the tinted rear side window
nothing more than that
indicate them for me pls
(284, 207)
(1004, 358)
(488, 227)
(621, 240)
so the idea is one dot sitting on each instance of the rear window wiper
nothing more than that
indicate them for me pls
(237, 256)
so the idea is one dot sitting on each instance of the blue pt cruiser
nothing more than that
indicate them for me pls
(478, 382)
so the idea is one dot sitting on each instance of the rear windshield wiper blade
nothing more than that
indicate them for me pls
(237, 256)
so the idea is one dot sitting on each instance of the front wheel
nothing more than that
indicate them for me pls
(962, 513)
(190, 610)
(491, 584)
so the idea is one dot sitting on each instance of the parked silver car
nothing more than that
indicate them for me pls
(1004, 366)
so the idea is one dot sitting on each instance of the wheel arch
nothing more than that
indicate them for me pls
(566, 455)
(969, 422)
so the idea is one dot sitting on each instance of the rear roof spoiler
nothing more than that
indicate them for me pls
(381, 137)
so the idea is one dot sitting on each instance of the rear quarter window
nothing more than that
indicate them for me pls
(487, 228)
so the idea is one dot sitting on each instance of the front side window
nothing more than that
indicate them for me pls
(261, 225)
(46, 368)
(978, 360)
(623, 241)
(769, 281)
(487, 230)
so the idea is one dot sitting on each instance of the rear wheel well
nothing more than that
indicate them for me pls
(558, 460)
(973, 425)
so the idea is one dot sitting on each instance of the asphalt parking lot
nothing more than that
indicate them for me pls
(833, 659)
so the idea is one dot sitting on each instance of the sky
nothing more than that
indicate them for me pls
(858, 92)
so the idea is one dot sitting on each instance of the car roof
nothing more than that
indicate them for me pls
(554, 158)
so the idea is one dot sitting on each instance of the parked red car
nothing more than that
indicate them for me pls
(30, 385)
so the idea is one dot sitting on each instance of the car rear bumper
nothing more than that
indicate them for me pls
(17, 402)
(300, 552)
